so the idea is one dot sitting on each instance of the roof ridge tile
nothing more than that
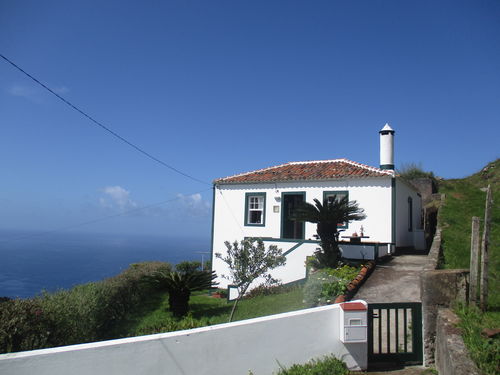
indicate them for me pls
(318, 170)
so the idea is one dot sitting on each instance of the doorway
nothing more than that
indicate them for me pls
(291, 229)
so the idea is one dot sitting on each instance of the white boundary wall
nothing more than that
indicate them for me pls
(233, 348)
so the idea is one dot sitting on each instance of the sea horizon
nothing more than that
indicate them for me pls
(32, 262)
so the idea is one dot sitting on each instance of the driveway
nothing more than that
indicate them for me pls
(396, 280)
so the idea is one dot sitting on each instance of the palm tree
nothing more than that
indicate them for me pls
(180, 285)
(328, 216)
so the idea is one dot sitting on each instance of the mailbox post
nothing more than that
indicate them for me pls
(354, 322)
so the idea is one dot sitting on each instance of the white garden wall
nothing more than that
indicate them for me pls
(234, 348)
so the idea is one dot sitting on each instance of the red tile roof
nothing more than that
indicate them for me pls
(308, 170)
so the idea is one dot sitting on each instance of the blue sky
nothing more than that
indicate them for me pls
(215, 88)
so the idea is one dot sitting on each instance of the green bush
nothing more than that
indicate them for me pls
(82, 314)
(485, 352)
(172, 324)
(324, 285)
(268, 290)
(188, 266)
(411, 171)
(24, 325)
(328, 365)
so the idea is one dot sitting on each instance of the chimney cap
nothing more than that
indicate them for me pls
(387, 129)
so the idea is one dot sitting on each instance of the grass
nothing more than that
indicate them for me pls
(464, 199)
(484, 352)
(328, 365)
(154, 316)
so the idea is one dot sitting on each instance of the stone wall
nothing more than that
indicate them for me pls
(434, 253)
(439, 289)
(452, 357)
(426, 187)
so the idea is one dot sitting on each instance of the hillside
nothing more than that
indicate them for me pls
(466, 198)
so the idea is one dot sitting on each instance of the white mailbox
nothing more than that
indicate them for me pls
(353, 322)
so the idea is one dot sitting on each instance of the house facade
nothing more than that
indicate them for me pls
(259, 204)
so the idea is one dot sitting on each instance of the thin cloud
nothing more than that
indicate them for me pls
(116, 197)
(194, 204)
(61, 90)
(32, 92)
(23, 91)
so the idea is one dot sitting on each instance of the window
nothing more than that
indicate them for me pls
(410, 214)
(337, 195)
(255, 209)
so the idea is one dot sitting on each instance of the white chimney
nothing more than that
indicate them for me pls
(387, 147)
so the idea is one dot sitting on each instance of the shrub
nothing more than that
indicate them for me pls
(411, 171)
(265, 289)
(180, 285)
(324, 285)
(188, 266)
(485, 352)
(82, 314)
(169, 325)
(247, 261)
(24, 325)
(328, 365)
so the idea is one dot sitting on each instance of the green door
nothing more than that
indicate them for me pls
(291, 229)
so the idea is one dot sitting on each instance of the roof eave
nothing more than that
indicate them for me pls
(222, 182)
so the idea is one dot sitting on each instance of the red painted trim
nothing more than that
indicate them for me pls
(350, 306)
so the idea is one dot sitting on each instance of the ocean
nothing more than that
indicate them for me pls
(59, 261)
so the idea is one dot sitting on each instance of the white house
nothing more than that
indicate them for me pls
(259, 203)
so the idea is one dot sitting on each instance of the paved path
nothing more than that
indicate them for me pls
(396, 280)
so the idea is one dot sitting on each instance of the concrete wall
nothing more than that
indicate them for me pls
(295, 261)
(372, 194)
(232, 348)
(439, 288)
(426, 187)
(452, 357)
(434, 252)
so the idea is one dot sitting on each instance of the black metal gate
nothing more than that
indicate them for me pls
(395, 333)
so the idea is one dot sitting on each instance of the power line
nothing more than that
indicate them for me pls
(113, 133)
(73, 226)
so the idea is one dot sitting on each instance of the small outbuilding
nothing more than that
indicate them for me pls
(259, 204)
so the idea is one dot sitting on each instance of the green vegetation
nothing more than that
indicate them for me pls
(411, 171)
(328, 365)
(247, 261)
(328, 216)
(187, 278)
(466, 198)
(484, 351)
(85, 313)
(154, 316)
(326, 284)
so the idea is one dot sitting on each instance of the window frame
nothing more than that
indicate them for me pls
(283, 214)
(410, 214)
(328, 193)
(247, 209)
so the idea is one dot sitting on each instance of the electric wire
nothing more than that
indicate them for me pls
(99, 219)
(97, 123)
